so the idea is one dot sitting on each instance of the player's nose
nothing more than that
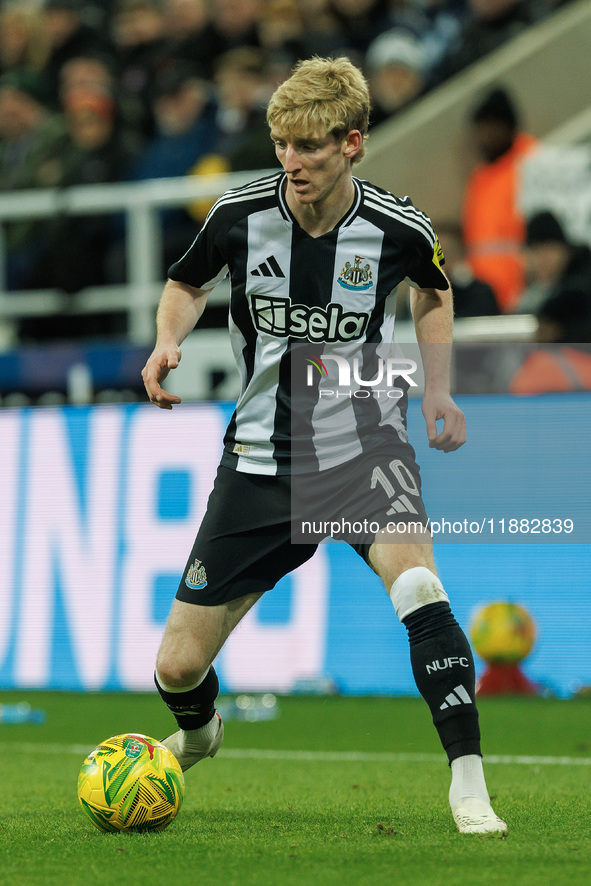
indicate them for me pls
(291, 160)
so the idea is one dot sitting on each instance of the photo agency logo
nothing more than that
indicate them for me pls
(346, 376)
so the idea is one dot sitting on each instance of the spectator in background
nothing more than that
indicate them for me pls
(68, 36)
(23, 40)
(358, 23)
(405, 58)
(494, 228)
(186, 131)
(472, 297)
(491, 23)
(242, 133)
(284, 37)
(95, 74)
(563, 269)
(320, 20)
(74, 250)
(436, 25)
(242, 92)
(92, 73)
(234, 23)
(287, 33)
(95, 150)
(441, 32)
(31, 137)
(187, 36)
(185, 126)
(139, 39)
(396, 70)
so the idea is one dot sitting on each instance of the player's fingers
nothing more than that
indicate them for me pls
(155, 392)
(152, 386)
(460, 437)
(431, 428)
(164, 400)
(455, 438)
(453, 433)
(154, 373)
(442, 441)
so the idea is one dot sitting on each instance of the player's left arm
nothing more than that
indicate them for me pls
(432, 311)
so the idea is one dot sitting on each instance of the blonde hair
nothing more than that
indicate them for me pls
(322, 92)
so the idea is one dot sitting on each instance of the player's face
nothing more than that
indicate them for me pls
(316, 165)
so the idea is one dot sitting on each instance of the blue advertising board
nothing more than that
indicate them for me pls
(100, 506)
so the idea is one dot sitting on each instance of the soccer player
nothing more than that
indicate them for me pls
(314, 256)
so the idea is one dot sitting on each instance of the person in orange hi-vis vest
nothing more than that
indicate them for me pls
(494, 229)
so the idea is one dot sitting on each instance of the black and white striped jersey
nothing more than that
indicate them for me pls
(330, 295)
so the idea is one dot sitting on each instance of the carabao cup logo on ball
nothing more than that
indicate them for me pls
(132, 748)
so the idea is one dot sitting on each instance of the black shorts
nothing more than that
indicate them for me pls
(258, 528)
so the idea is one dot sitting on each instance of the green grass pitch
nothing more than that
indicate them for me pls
(366, 805)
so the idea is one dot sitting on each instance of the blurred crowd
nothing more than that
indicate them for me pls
(128, 90)
(501, 262)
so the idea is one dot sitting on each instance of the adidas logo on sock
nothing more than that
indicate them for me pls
(458, 696)
(268, 268)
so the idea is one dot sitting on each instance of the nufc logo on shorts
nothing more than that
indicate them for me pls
(277, 316)
(196, 577)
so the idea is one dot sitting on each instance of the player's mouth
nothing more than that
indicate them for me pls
(298, 184)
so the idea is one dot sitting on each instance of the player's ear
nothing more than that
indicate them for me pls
(352, 143)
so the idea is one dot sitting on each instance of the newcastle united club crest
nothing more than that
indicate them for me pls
(357, 276)
(196, 577)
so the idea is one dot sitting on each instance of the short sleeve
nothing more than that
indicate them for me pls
(204, 264)
(425, 260)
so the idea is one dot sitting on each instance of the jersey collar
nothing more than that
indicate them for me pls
(345, 220)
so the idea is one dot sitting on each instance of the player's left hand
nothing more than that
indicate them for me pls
(440, 405)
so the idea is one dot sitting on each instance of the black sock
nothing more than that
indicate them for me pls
(195, 708)
(443, 669)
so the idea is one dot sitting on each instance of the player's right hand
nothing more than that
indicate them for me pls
(160, 362)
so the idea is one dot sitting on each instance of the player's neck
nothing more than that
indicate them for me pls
(322, 216)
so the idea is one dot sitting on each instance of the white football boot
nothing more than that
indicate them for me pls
(191, 746)
(474, 816)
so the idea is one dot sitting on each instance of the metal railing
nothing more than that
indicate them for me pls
(140, 202)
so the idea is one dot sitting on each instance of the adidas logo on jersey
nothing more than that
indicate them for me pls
(268, 268)
(458, 696)
(277, 316)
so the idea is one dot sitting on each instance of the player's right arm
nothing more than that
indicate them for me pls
(179, 310)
